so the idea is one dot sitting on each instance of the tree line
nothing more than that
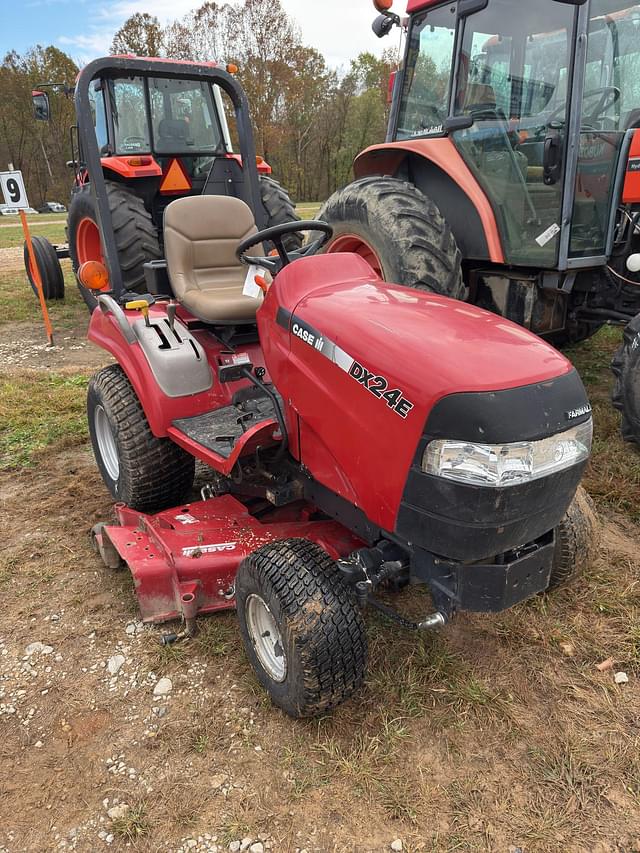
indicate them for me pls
(309, 120)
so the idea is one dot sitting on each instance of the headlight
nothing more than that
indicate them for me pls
(507, 464)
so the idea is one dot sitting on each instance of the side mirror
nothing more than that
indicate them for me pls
(383, 25)
(41, 108)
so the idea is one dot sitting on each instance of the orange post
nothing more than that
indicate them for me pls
(35, 272)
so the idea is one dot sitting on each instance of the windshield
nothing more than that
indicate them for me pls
(425, 93)
(183, 117)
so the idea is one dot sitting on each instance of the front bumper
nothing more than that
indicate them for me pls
(488, 587)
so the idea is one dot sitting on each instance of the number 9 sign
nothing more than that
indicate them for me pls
(13, 189)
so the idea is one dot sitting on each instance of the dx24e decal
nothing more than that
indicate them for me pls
(376, 385)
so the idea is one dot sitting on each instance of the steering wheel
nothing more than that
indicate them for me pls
(274, 235)
(608, 96)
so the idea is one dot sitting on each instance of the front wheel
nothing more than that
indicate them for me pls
(302, 630)
(576, 540)
(142, 471)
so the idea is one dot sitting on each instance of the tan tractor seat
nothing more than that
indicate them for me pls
(201, 235)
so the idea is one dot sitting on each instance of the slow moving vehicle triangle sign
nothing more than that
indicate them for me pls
(175, 178)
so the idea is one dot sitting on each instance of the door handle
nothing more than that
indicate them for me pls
(552, 160)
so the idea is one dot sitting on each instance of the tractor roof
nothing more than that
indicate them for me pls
(419, 5)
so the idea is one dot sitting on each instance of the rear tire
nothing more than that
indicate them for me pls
(576, 541)
(48, 263)
(142, 471)
(399, 231)
(626, 390)
(136, 236)
(280, 209)
(302, 630)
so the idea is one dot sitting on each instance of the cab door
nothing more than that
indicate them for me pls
(512, 95)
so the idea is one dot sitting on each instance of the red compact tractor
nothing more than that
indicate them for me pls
(510, 177)
(159, 137)
(358, 436)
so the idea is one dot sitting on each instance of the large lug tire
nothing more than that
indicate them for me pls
(280, 209)
(136, 236)
(626, 389)
(399, 231)
(576, 541)
(145, 472)
(48, 264)
(301, 627)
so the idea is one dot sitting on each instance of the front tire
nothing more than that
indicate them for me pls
(302, 630)
(576, 541)
(399, 231)
(142, 471)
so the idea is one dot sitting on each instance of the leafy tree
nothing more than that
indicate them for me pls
(141, 34)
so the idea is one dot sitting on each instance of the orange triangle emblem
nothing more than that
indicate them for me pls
(175, 179)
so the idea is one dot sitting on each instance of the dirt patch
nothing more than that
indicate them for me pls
(12, 260)
(25, 345)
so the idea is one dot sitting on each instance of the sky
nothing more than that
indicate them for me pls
(339, 29)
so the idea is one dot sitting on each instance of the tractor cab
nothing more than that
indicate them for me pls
(540, 100)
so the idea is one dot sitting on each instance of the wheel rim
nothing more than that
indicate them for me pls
(266, 638)
(106, 443)
(359, 246)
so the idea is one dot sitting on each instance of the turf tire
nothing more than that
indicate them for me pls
(137, 239)
(48, 263)
(413, 242)
(154, 473)
(576, 541)
(626, 389)
(322, 630)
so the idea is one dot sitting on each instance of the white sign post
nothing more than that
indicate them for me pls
(15, 195)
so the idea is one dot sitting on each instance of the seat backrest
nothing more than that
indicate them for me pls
(201, 235)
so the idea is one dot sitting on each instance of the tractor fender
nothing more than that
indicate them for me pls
(438, 170)
(155, 379)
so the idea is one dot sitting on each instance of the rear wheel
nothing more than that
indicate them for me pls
(145, 472)
(399, 231)
(626, 389)
(136, 236)
(48, 263)
(280, 209)
(576, 541)
(301, 627)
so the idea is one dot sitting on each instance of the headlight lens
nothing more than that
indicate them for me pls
(499, 465)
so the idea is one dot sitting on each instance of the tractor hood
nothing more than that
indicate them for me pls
(366, 364)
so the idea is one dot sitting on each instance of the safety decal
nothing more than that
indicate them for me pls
(376, 385)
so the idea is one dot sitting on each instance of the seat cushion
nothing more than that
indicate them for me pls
(201, 236)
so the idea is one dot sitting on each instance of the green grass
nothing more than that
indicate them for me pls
(18, 303)
(39, 411)
(10, 237)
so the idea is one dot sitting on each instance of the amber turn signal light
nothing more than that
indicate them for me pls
(383, 5)
(94, 275)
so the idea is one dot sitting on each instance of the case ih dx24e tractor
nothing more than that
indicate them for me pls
(159, 137)
(510, 176)
(358, 436)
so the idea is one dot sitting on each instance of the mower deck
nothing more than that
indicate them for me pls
(184, 560)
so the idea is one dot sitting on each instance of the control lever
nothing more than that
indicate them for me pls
(172, 307)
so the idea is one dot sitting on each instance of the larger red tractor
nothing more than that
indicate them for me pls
(161, 134)
(510, 176)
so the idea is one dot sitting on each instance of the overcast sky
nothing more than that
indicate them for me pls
(339, 29)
